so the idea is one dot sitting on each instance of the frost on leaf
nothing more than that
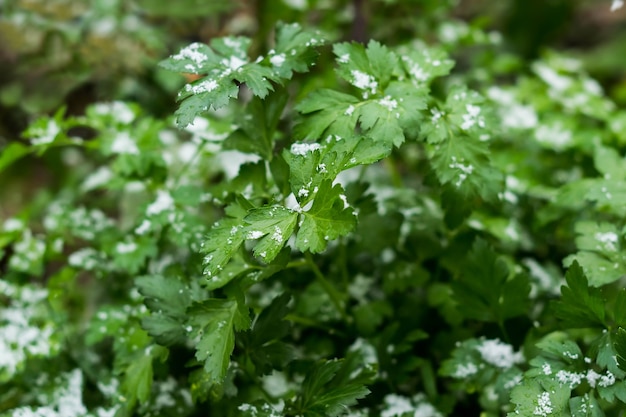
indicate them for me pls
(327, 219)
(25, 330)
(225, 64)
(423, 63)
(599, 252)
(220, 245)
(214, 322)
(273, 225)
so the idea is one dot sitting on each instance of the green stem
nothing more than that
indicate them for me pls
(189, 163)
(505, 334)
(305, 321)
(332, 292)
(392, 168)
(296, 264)
(343, 262)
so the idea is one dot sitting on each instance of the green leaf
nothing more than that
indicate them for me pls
(257, 78)
(138, 380)
(423, 63)
(332, 386)
(328, 218)
(220, 245)
(599, 252)
(11, 153)
(462, 162)
(214, 322)
(367, 69)
(293, 51)
(310, 164)
(619, 311)
(387, 108)
(257, 130)
(545, 397)
(620, 348)
(384, 119)
(609, 163)
(273, 225)
(585, 406)
(566, 350)
(263, 342)
(484, 290)
(608, 194)
(606, 353)
(168, 300)
(270, 324)
(131, 255)
(333, 114)
(225, 64)
(580, 305)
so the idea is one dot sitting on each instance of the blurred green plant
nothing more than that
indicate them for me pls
(425, 224)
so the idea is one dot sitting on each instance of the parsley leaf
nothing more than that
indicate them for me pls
(332, 386)
(580, 305)
(484, 290)
(220, 245)
(330, 216)
(168, 300)
(387, 106)
(225, 64)
(213, 323)
(600, 253)
(312, 163)
(620, 348)
(263, 342)
(273, 225)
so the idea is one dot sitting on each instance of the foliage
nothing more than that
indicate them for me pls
(323, 228)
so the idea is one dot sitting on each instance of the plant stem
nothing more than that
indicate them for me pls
(332, 292)
(392, 168)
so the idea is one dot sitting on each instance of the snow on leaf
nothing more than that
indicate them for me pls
(220, 245)
(327, 219)
(214, 322)
(274, 225)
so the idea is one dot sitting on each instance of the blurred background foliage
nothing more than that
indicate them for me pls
(71, 53)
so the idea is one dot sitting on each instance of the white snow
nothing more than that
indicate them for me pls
(465, 370)
(192, 53)
(205, 86)
(124, 248)
(388, 102)
(364, 81)
(47, 136)
(99, 177)
(12, 225)
(499, 354)
(557, 82)
(617, 4)
(544, 405)
(472, 117)
(119, 110)
(608, 240)
(302, 149)
(255, 234)
(163, 202)
(555, 136)
(278, 60)
(124, 144)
